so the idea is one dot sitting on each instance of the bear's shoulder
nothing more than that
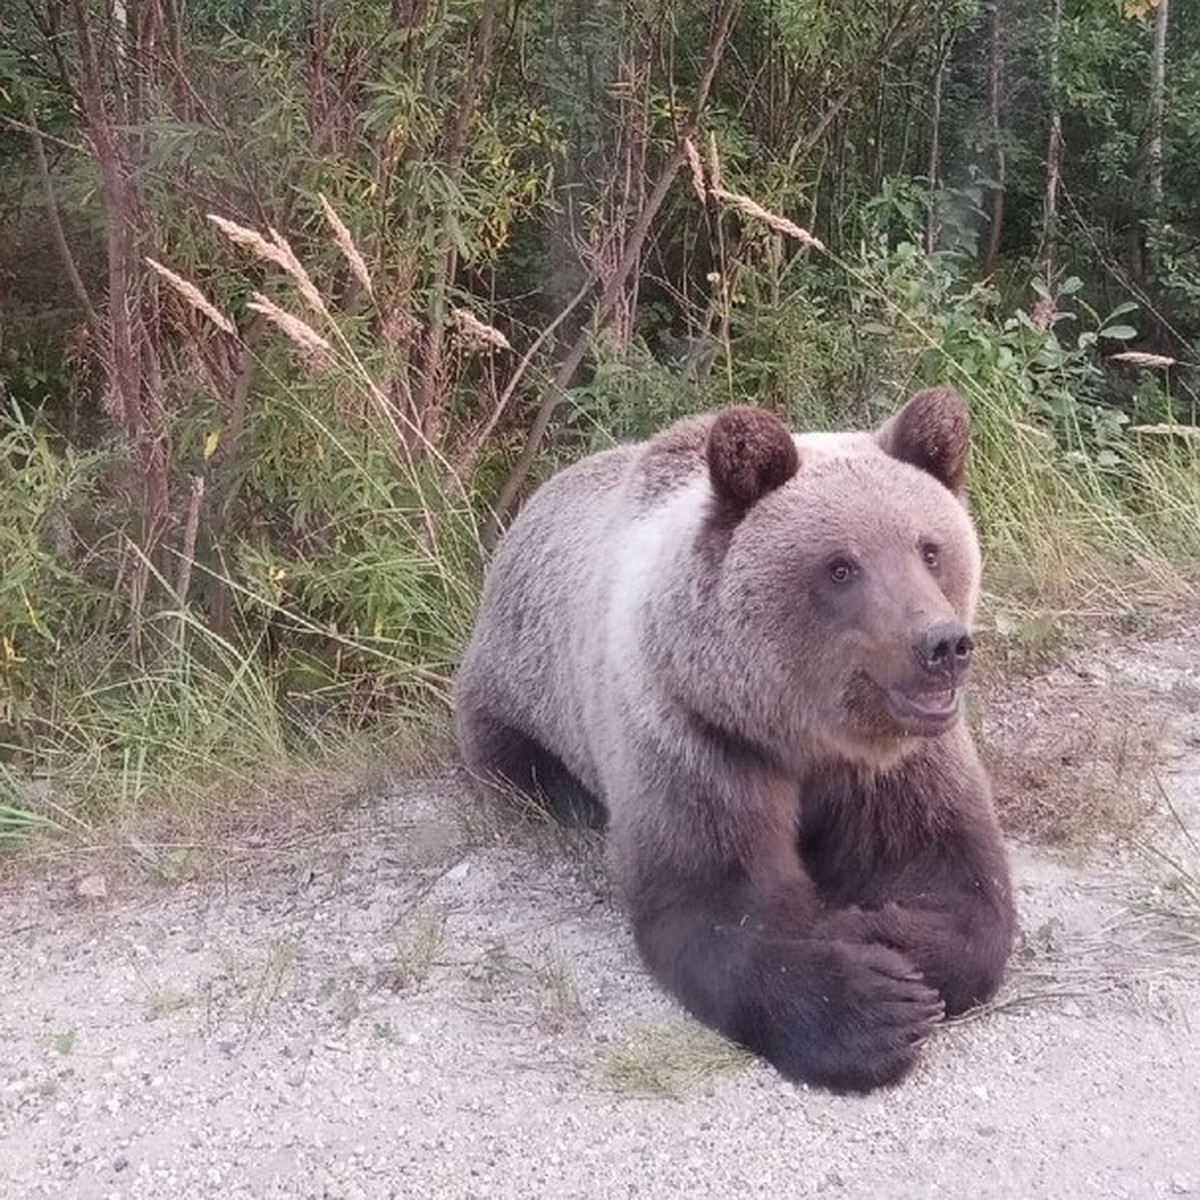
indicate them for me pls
(669, 461)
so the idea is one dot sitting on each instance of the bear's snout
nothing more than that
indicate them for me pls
(944, 649)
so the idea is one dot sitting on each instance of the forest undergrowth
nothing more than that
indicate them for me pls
(333, 299)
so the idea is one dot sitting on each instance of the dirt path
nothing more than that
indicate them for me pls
(420, 1003)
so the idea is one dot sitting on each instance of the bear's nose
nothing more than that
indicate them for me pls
(944, 648)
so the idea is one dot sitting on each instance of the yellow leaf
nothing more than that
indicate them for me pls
(211, 441)
(34, 618)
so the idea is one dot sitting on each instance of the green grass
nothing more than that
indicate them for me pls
(64, 1043)
(25, 809)
(666, 1059)
(1175, 853)
(416, 952)
(204, 723)
(17, 824)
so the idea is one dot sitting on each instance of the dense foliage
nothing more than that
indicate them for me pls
(249, 465)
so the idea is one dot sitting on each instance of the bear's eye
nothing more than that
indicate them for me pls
(842, 570)
(931, 554)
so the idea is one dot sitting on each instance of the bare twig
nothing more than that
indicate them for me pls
(900, 29)
(471, 453)
(32, 128)
(187, 555)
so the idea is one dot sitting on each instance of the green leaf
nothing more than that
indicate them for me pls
(1118, 333)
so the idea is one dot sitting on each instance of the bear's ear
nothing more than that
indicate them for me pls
(933, 432)
(750, 452)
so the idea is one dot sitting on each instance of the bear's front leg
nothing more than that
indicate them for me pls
(948, 911)
(916, 863)
(735, 951)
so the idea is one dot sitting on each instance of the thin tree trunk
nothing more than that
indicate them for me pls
(999, 166)
(187, 555)
(134, 375)
(65, 255)
(1054, 150)
(878, 167)
(430, 399)
(1158, 81)
(933, 228)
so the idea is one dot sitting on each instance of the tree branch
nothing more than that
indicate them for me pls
(467, 459)
(630, 256)
(56, 226)
(429, 400)
(897, 33)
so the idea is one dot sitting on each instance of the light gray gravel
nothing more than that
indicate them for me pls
(417, 1004)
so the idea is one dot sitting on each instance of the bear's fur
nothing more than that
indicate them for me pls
(748, 647)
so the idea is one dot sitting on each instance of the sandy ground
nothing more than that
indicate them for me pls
(428, 1001)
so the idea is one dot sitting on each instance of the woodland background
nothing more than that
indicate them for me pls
(299, 300)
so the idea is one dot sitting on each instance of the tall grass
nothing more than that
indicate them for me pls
(1097, 541)
(202, 711)
(345, 618)
(352, 581)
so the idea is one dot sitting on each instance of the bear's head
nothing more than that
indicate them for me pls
(845, 574)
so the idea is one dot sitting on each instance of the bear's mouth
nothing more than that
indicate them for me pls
(930, 710)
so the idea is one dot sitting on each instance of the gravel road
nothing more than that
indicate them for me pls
(423, 1001)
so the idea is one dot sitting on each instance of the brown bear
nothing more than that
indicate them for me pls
(748, 647)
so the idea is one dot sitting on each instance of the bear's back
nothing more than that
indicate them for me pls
(666, 463)
(532, 650)
(564, 587)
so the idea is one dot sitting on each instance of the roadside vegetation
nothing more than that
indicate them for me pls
(300, 301)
